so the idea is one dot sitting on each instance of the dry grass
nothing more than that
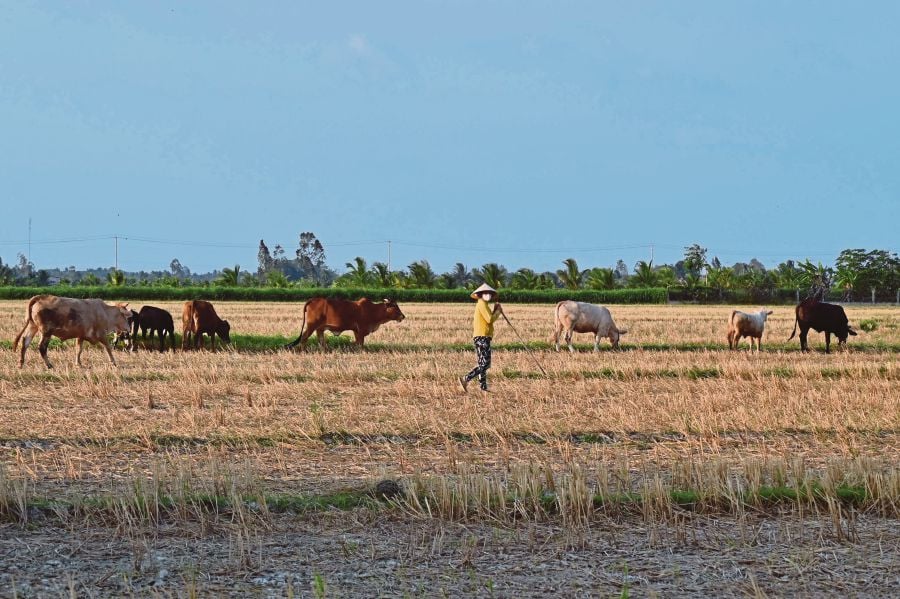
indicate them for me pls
(671, 422)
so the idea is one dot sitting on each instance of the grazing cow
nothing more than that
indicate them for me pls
(67, 318)
(363, 317)
(821, 317)
(159, 321)
(199, 317)
(752, 326)
(129, 337)
(579, 317)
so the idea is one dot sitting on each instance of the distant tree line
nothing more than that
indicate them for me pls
(854, 275)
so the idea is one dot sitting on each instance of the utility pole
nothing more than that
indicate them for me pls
(651, 253)
(29, 239)
(117, 252)
(389, 255)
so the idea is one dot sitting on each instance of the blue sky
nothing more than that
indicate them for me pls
(517, 132)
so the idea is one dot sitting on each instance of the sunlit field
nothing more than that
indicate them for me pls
(764, 473)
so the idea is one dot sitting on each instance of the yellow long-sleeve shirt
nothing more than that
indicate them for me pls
(483, 322)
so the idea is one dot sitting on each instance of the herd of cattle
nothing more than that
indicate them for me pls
(94, 320)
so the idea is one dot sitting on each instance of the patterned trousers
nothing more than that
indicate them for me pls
(483, 352)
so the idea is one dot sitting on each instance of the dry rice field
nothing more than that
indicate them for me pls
(672, 467)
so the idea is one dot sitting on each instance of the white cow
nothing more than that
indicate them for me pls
(741, 324)
(579, 317)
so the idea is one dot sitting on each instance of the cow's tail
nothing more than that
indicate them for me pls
(796, 318)
(296, 341)
(28, 320)
(553, 334)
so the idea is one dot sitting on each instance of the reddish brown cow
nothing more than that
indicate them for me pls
(199, 317)
(363, 317)
(67, 318)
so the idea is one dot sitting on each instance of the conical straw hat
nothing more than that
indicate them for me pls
(485, 287)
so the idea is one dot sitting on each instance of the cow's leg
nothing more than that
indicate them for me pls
(42, 347)
(758, 344)
(79, 346)
(360, 338)
(109, 353)
(556, 333)
(569, 334)
(162, 340)
(737, 339)
(320, 335)
(804, 332)
(26, 341)
(730, 339)
(827, 342)
(212, 340)
(198, 340)
(597, 342)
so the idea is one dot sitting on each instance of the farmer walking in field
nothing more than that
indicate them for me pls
(483, 325)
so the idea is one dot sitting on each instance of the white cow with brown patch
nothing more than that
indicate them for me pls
(579, 317)
(90, 320)
(752, 326)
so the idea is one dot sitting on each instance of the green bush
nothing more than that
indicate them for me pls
(868, 325)
(270, 294)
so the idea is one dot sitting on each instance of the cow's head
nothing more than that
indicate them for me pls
(614, 336)
(122, 319)
(224, 331)
(842, 335)
(392, 310)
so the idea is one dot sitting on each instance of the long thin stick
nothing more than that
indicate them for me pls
(528, 349)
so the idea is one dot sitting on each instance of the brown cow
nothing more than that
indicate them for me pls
(363, 317)
(198, 317)
(67, 318)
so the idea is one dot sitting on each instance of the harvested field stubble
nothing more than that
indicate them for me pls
(662, 441)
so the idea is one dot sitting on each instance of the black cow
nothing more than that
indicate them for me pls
(129, 337)
(159, 321)
(822, 317)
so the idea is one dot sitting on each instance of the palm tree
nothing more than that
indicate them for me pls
(421, 274)
(547, 280)
(720, 278)
(90, 279)
(571, 276)
(461, 275)
(230, 277)
(845, 278)
(524, 278)
(358, 273)
(817, 277)
(115, 278)
(276, 278)
(492, 273)
(382, 275)
(665, 276)
(644, 275)
(601, 278)
(788, 275)
(447, 281)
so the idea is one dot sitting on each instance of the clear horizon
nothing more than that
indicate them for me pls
(501, 132)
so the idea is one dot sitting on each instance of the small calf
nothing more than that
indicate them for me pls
(752, 326)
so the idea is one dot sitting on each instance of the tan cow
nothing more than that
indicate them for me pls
(90, 320)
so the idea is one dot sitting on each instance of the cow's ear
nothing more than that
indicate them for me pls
(386, 300)
(851, 331)
(770, 312)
